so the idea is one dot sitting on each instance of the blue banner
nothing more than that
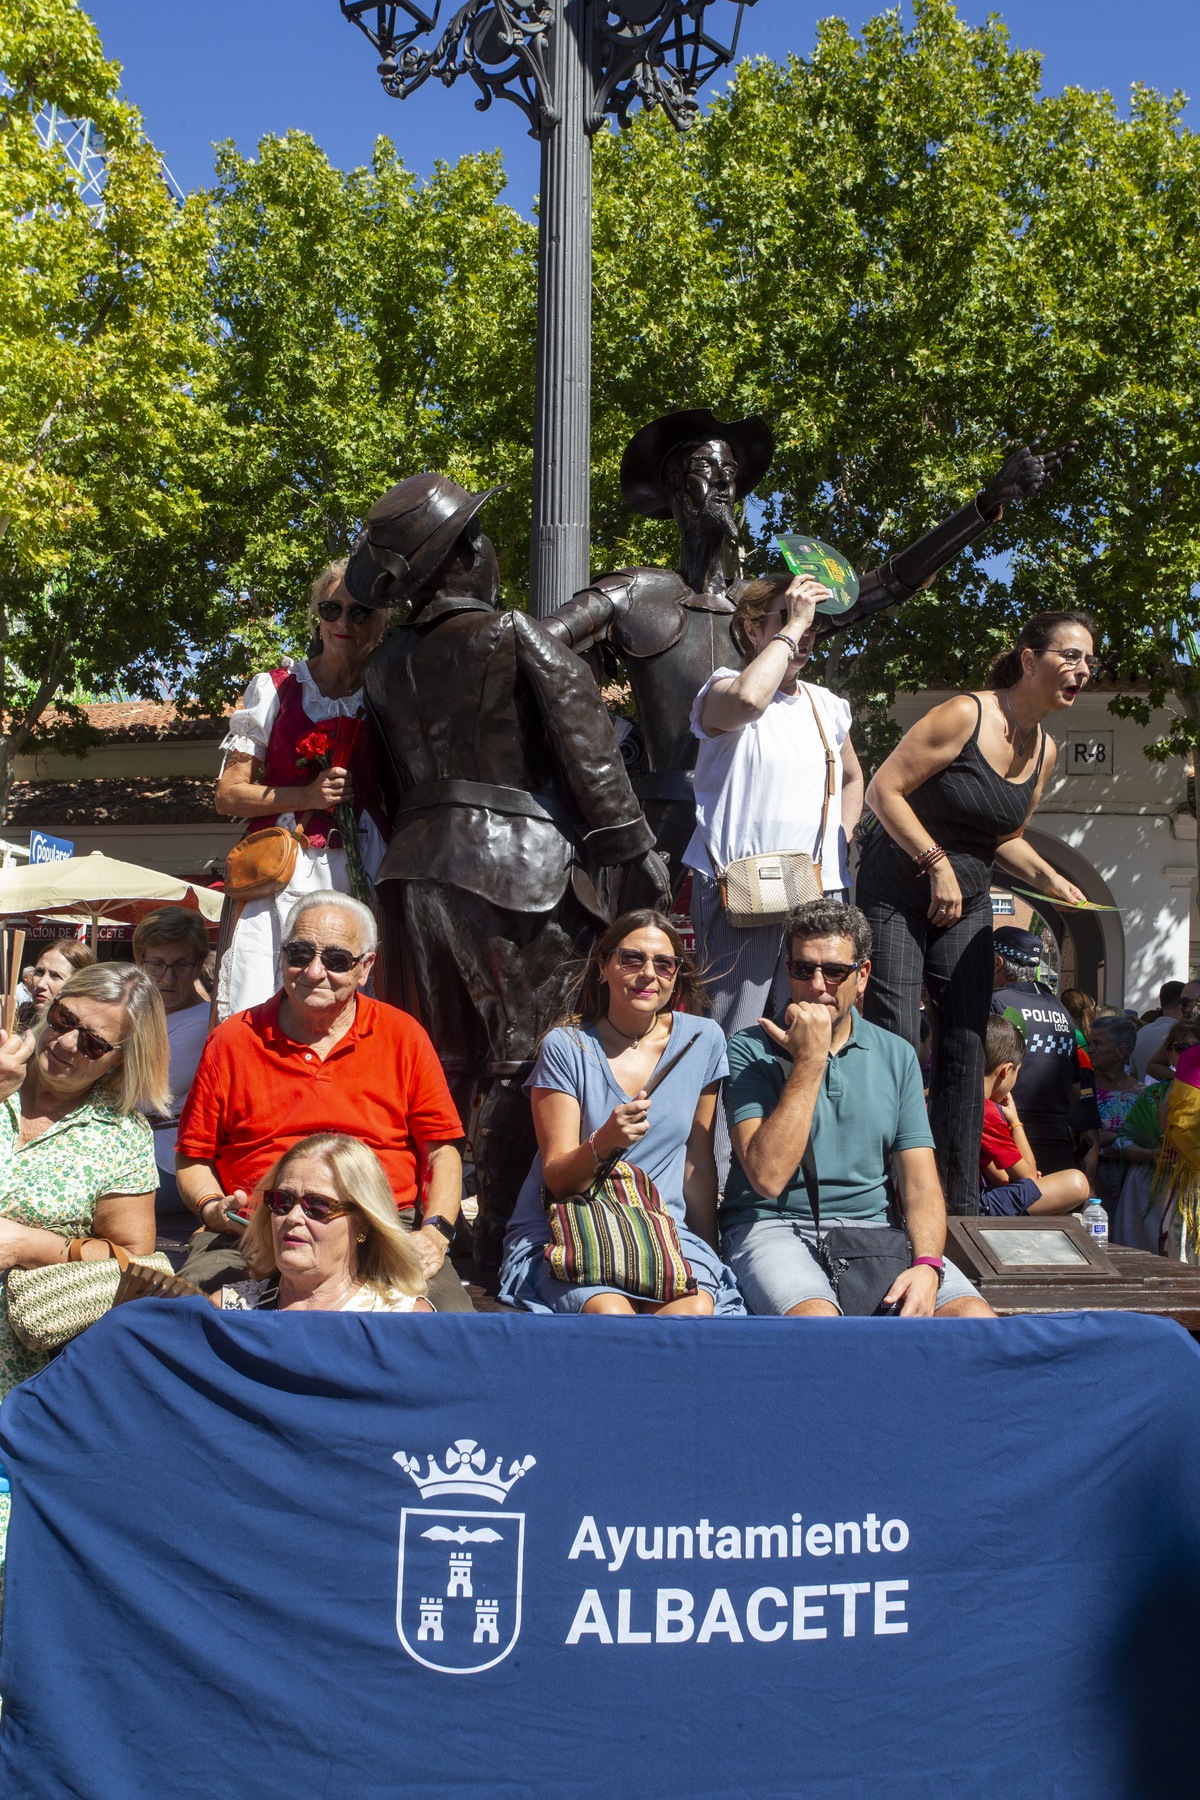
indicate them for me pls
(355, 1556)
(44, 849)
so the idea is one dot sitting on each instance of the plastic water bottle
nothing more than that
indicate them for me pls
(1094, 1220)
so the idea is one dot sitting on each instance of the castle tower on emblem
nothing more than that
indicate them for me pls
(487, 1622)
(460, 1575)
(455, 1633)
(431, 1621)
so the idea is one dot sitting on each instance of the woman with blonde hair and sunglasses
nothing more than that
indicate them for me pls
(77, 1169)
(327, 1238)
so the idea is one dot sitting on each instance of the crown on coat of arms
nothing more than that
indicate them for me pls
(464, 1473)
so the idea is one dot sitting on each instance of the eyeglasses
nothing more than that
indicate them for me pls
(318, 1207)
(1075, 659)
(299, 953)
(62, 1020)
(631, 961)
(331, 611)
(157, 970)
(833, 974)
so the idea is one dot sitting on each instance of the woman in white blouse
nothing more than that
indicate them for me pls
(760, 786)
(263, 780)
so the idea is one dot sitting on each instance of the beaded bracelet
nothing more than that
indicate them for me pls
(592, 1146)
(927, 858)
(781, 637)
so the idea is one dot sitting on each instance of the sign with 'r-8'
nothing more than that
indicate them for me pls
(1090, 753)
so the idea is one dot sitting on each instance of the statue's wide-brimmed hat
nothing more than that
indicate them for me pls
(751, 440)
(410, 533)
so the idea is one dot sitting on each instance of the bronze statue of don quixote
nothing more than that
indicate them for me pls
(515, 831)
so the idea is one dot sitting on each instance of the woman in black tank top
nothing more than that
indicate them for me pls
(951, 800)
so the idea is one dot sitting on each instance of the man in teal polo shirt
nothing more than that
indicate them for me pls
(824, 1072)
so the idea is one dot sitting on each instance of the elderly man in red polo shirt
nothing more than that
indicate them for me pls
(320, 1056)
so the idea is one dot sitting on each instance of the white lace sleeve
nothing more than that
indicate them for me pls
(250, 726)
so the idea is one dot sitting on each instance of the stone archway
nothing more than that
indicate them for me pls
(1099, 938)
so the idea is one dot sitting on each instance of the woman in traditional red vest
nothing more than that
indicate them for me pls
(268, 777)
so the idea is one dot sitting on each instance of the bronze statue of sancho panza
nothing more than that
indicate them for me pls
(510, 809)
(672, 627)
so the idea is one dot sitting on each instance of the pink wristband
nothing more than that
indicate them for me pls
(930, 1262)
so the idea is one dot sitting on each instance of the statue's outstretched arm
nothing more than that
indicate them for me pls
(587, 615)
(1026, 472)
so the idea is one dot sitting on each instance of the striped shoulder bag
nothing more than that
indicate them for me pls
(618, 1233)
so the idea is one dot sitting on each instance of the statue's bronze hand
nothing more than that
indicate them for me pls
(1027, 471)
(646, 882)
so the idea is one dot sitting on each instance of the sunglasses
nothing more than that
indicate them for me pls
(62, 1020)
(833, 974)
(318, 1207)
(299, 953)
(332, 610)
(631, 961)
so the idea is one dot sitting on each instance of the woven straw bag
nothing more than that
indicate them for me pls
(48, 1307)
(763, 890)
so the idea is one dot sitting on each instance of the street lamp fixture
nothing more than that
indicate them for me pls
(568, 64)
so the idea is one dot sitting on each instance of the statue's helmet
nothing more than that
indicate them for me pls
(642, 486)
(411, 531)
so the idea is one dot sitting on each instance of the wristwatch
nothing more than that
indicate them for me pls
(439, 1224)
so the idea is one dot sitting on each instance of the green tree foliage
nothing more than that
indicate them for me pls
(899, 248)
(911, 258)
(102, 331)
(365, 327)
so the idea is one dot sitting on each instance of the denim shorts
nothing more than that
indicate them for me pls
(1010, 1201)
(774, 1265)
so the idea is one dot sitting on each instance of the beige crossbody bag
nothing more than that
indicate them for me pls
(762, 890)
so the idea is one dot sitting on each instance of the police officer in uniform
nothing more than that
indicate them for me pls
(1055, 1086)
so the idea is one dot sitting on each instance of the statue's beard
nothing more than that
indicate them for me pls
(717, 516)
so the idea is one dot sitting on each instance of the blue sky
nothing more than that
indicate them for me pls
(241, 68)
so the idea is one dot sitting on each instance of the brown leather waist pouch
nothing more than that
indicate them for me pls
(263, 863)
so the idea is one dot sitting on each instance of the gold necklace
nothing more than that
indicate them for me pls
(1020, 743)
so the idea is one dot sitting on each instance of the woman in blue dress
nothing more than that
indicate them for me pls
(587, 1091)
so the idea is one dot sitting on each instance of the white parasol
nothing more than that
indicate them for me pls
(99, 887)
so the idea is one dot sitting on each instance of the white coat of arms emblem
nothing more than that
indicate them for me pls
(458, 1598)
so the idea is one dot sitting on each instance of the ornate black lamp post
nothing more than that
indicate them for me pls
(566, 64)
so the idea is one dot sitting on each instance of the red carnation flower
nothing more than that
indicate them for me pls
(316, 747)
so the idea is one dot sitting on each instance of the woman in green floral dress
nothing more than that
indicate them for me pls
(76, 1159)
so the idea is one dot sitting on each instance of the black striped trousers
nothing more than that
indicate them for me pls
(956, 966)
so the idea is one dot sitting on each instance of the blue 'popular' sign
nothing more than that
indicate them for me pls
(44, 849)
(349, 1555)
